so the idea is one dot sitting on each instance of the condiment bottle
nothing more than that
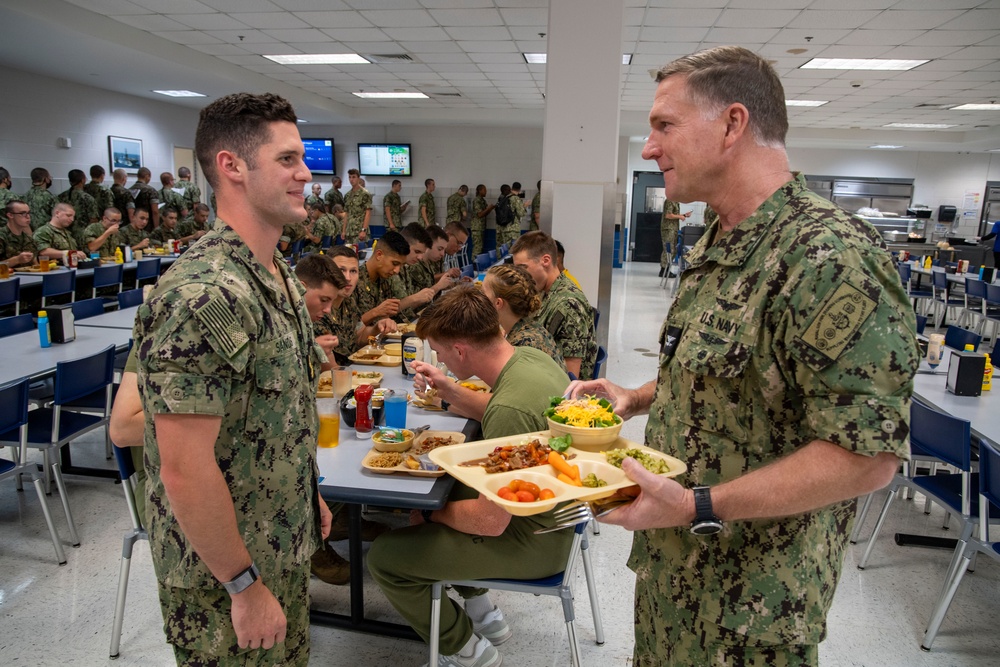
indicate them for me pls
(927, 262)
(413, 350)
(988, 375)
(934, 345)
(43, 329)
(363, 416)
(119, 257)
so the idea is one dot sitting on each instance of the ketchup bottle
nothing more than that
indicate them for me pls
(363, 416)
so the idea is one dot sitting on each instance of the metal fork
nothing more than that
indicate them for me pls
(583, 511)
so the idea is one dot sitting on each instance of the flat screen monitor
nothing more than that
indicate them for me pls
(385, 159)
(320, 157)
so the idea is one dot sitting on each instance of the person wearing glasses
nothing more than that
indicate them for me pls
(17, 245)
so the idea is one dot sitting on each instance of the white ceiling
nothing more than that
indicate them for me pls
(467, 57)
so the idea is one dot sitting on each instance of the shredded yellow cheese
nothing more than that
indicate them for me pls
(584, 412)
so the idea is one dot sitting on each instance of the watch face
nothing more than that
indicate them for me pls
(707, 527)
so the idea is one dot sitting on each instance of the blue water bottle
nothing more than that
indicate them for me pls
(43, 329)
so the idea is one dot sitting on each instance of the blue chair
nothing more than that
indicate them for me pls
(597, 318)
(989, 504)
(493, 256)
(905, 276)
(957, 338)
(503, 250)
(482, 262)
(602, 356)
(14, 426)
(147, 269)
(126, 469)
(943, 299)
(10, 294)
(16, 324)
(921, 323)
(558, 585)
(326, 242)
(57, 284)
(296, 248)
(109, 275)
(88, 308)
(130, 298)
(468, 271)
(975, 300)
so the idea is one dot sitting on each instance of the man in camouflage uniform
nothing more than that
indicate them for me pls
(458, 209)
(536, 209)
(38, 198)
(333, 196)
(426, 208)
(135, 234)
(393, 208)
(669, 227)
(146, 197)
(319, 225)
(5, 193)
(192, 193)
(227, 373)
(565, 311)
(344, 321)
(785, 374)
(17, 245)
(121, 197)
(83, 204)
(55, 237)
(316, 197)
(358, 204)
(96, 188)
(167, 231)
(508, 233)
(169, 198)
(102, 237)
(193, 228)
(377, 296)
(477, 225)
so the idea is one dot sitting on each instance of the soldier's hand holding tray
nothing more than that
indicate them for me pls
(661, 502)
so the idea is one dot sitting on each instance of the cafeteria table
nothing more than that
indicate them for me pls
(28, 279)
(344, 480)
(123, 318)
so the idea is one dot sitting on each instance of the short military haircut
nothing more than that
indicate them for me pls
(464, 189)
(455, 228)
(436, 233)
(728, 75)
(60, 206)
(8, 209)
(462, 313)
(515, 186)
(119, 175)
(239, 123)
(396, 182)
(337, 208)
(314, 270)
(168, 212)
(515, 286)
(39, 174)
(76, 176)
(183, 172)
(143, 173)
(394, 243)
(416, 233)
(141, 213)
(342, 251)
(166, 177)
(334, 178)
(480, 188)
(318, 206)
(504, 190)
(4, 174)
(353, 172)
(201, 208)
(535, 244)
(111, 210)
(96, 171)
(428, 182)
(560, 249)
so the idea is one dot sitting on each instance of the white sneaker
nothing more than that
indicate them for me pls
(493, 627)
(485, 655)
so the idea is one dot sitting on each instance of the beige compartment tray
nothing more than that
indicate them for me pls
(476, 477)
(457, 437)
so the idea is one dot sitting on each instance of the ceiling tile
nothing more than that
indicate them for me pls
(373, 47)
(683, 17)
(111, 7)
(230, 6)
(484, 46)
(496, 58)
(242, 60)
(310, 5)
(418, 34)
(501, 67)
(218, 49)
(797, 36)
(214, 21)
(455, 4)
(193, 37)
(959, 38)
(356, 34)
(864, 36)
(853, 4)
(976, 53)
(524, 16)
(164, 6)
(837, 51)
(757, 4)
(267, 47)
(755, 18)
(444, 58)
(479, 32)
(914, 19)
(296, 36)
(242, 37)
(525, 32)
(466, 17)
(814, 18)
(401, 18)
(340, 20)
(271, 20)
(974, 19)
(670, 34)
(740, 35)
(151, 22)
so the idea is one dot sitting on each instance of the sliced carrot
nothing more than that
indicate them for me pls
(566, 479)
(559, 463)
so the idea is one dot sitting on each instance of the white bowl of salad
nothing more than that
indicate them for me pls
(588, 420)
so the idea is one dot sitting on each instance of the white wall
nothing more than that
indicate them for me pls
(37, 110)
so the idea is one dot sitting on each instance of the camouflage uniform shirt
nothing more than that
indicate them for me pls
(48, 236)
(427, 201)
(370, 292)
(122, 200)
(536, 209)
(668, 230)
(332, 198)
(710, 216)
(792, 327)
(312, 199)
(419, 276)
(356, 203)
(7, 196)
(342, 322)
(145, 196)
(568, 317)
(86, 211)
(100, 194)
(14, 244)
(325, 225)
(172, 201)
(107, 249)
(218, 336)
(526, 333)
(392, 202)
(191, 196)
(161, 234)
(478, 206)
(40, 201)
(457, 208)
(132, 236)
(188, 226)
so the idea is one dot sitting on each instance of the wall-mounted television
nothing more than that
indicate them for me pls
(320, 157)
(385, 159)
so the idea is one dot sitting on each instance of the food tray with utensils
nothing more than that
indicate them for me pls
(464, 463)
(373, 356)
(417, 455)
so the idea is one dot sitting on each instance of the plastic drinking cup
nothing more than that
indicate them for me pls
(395, 411)
(329, 422)
(341, 380)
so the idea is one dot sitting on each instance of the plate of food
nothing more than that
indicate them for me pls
(358, 378)
(407, 328)
(414, 460)
(325, 387)
(590, 420)
(548, 468)
(368, 356)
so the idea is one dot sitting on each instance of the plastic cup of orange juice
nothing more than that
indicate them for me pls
(329, 422)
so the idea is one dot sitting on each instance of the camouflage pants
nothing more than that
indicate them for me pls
(668, 636)
(354, 228)
(668, 234)
(478, 229)
(507, 235)
(198, 624)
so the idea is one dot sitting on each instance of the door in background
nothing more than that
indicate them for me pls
(647, 210)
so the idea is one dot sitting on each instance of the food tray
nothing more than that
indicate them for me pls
(27, 269)
(375, 382)
(384, 360)
(402, 329)
(402, 468)
(321, 393)
(544, 476)
(418, 402)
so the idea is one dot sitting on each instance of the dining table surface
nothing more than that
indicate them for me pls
(35, 278)
(123, 318)
(22, 355)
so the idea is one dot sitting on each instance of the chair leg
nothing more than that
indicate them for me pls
(937, 616)
(595, 605)
(46, 471)
(853, 539)
(57, 473)
(595, 527)
(56, 542)
(878, 526)
(435, 638)
(116, 629)
(947, 518)
(574, 648)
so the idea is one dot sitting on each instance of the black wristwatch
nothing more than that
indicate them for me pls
(426, 514)
(705, 522)
(243, 580)
(445, 405)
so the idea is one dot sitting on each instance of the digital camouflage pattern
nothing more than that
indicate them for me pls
(313, 199)
(41, 202)
(710, 216)
(145, 196)
(510, 233)
(123, 201)
(101, 195)
(793, 327)
(86, 211)
(188, 226)
(332, 198)
(192, 194)
(426, 201)
(457, 208)
(48, 236)
(14, 244)
(343, 322)
(132, 236)
(394, 204)
(356, 203)
(370, 292)
(568, 317)
(7, 196)
(292, 233)
(477, 225)
(668, 230)
(172, 201)
(526, 333)
(220, 336)
(421, 275)
(536, 208)
(161, 234)
(107, 249)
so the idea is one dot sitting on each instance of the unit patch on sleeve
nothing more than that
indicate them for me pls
(839, 319)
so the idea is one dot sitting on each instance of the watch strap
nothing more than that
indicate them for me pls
(243, 580)
(426, 514)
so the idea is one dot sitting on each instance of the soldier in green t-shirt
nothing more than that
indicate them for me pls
(171, 199)
(39, 198)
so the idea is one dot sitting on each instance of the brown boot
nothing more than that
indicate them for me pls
(369, 529)
(328, 566)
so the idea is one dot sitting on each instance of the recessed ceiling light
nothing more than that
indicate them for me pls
(886, 146)
(993, 150)
(392, 96)
(862, 63)
(920, 126)
(179, 93)
(626, 59)
(976, 107)
(805, 103)
(319, 59)
(540, 58)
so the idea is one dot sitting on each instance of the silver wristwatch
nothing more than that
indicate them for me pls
(243, 580)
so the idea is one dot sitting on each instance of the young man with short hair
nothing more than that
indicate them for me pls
(135, 234)
(375, 295)
(392, 208)
(458, 235)
(84, 206)
(55, 237)
(344, 320)
(39, 198)
(458, 209)
(102, 237)
(167, 231)
(17, 245)
(428, 208)
(358, 204)
(477, 224)
(96, 188)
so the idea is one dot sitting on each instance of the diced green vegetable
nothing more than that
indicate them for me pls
(651, 463)
(593, 482)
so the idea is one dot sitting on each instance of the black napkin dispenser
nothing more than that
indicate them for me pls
(965, 373)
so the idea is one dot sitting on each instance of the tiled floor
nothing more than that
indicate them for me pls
(53, 615)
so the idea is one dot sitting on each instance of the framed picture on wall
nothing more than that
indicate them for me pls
(125, 153)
